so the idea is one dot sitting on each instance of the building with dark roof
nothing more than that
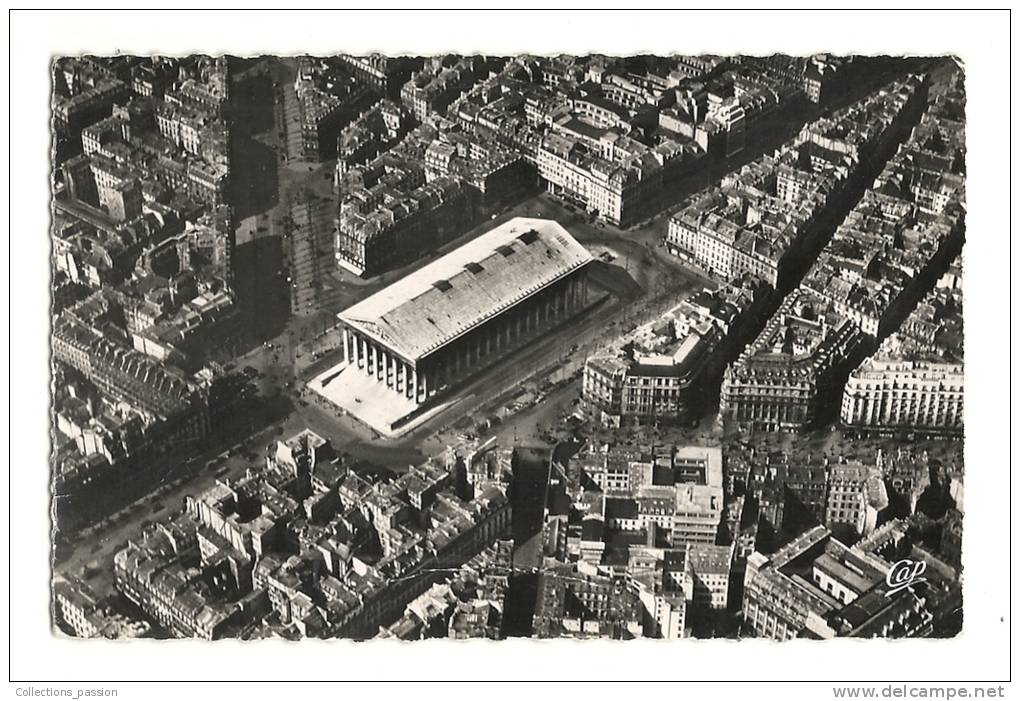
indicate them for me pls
(778, 382)
(816, 587)
(659, 370)
(708, 570)
(778, 598)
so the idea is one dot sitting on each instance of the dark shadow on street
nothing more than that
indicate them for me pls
(262, 293)
(255, 179)
(252, 102)
(528, 495)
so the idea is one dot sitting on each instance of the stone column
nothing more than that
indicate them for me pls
(347, 350)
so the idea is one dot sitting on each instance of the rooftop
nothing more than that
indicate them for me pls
(470, 285)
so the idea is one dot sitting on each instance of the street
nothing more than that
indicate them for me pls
(290, 290)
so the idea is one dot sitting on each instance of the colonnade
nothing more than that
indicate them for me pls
(452, 362)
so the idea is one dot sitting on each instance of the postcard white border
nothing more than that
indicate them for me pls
(981, 39)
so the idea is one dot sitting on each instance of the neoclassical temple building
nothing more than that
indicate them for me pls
(436, 326)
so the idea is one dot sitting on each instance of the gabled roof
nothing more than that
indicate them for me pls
(465, 288)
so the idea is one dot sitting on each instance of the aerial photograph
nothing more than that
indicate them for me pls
(584, 347)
